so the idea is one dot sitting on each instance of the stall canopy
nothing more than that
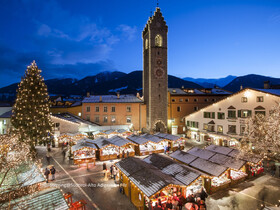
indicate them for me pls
(50, 198)
(167, 136)
(234, 153)
(149, 179)
(138, 139)
(82, 144)
(100, 142)
(119, 141)
(180, 172)
(152, 138)
(206, 166)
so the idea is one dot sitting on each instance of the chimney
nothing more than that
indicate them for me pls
(118, 95)
(137, 95)
(100, 98)
(266, 84)
(88, 94)
(241, 87)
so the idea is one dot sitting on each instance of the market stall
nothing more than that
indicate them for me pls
(124, 133)
(70, 138)
(175, 142)
(126, 147)
(84, 152)
(158, 143)
(143, 146)
(106, 150)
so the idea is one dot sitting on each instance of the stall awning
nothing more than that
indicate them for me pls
(119, 141)
(149, 179)
(182, 173)
(167, 136)
(202, 153)
(50, 198)
(83, 143)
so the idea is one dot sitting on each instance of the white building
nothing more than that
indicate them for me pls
(223, 123)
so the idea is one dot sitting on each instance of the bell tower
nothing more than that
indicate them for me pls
(155, 79)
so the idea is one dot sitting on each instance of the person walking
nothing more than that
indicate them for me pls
(48, 156)
(53, 173)
(111, 171)
(47, 173)
(104, 168)
(127, 153)
(114, 172)
(63, 154)
(273, 169)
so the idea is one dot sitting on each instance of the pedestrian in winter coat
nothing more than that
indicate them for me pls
(63, 154)
(104, 168)
(111, 171)
(127, 153)
(273, 170)
(53, 173)
(114, 172)
(47, 172)
(48, 157)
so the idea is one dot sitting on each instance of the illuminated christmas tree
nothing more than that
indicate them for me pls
(31, 112)
(263, 135)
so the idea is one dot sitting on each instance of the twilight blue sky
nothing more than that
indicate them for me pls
(71, 38)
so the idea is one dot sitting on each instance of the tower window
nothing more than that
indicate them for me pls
(146, 44)
(158, 41)
(158, 52)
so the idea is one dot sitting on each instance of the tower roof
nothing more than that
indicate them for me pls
(157, 18)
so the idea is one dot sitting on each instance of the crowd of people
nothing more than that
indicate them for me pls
(177, 202)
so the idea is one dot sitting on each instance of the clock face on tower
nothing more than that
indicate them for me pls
(159, 73)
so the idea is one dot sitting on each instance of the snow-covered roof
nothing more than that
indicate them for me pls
(227, 161)
(202, 153)
(50, 198)
(100, 142)
(137, 139)
(208, 167)
(146, 177)
(183, 156)
(72, 118)
(83, 143)
(167, 136)
(211, 91)
(119, 141)
(7, 114)
(170, 167)
(270, 91)
(153, 138)
(219, 149)
(112, 99)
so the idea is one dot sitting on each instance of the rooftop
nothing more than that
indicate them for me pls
(72, 118)
(7, 114)
(205, 91)
(112, 99)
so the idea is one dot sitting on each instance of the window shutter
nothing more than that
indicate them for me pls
(239, 113)
(213, 115)
(249, 113)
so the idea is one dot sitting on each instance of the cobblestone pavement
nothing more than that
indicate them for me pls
(89, 184)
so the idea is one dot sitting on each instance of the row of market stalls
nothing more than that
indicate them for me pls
(156, 177)
(221, 165)
(102, 148)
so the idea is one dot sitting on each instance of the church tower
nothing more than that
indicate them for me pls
(155, 80)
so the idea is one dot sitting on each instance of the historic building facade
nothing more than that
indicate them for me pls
(155, 78)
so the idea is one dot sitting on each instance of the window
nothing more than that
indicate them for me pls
(182, 119)
(242, 129)
(213, 99)
(231, 114)
(79, 114)
(4, 122)
(57, 125)
(97, 109)
(192, 124)
(219, 128)
(105, 119)
(195, 108)
(206, 99)
(105, 109)
(96, 119)
(259, 98)
(88, 108)
(146, 44)
(195, 100)
(187, 100)
(158, 40)
(128, 108)
(260, 113)
(178, 108)
(181, 100)
(244, 113)
(113, 119)
(205, 126)
(209, 115)
(211, 128)
(232, 129)
(244, 99)
(128, 119)
(221, 115)
(173, 100)
(113, 109)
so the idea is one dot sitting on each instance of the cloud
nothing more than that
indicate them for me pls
(127, 31)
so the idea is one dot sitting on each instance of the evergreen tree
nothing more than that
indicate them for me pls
(31, 112)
